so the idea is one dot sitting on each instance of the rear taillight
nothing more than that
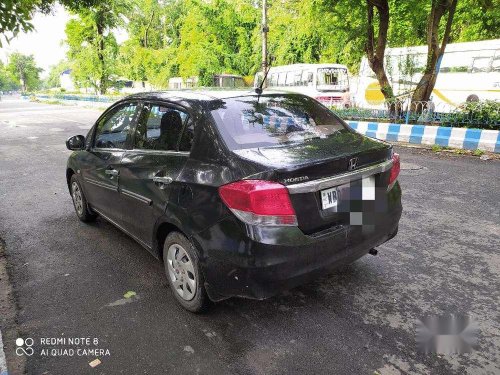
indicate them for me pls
(259, 202)
(396, 167)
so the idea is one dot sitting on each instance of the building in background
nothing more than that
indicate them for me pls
(66, 81)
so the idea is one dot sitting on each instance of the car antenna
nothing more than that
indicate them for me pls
(259, 90)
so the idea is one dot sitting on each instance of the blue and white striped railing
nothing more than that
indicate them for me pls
(464, 138)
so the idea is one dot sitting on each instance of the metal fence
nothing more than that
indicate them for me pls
(485, 115)
(83, 98)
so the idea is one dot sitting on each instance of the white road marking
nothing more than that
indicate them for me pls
(3, 361)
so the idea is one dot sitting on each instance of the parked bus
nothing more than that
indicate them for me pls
(328, 83)
(228, 81)
(467, 72)
(219, 80)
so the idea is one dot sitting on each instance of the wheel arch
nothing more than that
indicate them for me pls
(163, 228)
(69, 173)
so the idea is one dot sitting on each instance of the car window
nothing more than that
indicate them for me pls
(113, 131)
(160, 128)
(268, 120)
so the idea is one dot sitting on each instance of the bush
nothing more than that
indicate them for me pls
(482, 115)
(485, 115)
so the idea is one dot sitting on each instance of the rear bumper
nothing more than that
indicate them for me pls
(259, 262)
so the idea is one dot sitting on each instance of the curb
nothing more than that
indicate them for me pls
(464, 138)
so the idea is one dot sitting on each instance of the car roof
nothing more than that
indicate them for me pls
(200, 95)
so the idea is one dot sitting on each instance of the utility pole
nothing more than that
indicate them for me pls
(265, 30)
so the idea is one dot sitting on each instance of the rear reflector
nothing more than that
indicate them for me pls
(396, 167)
(259, 202)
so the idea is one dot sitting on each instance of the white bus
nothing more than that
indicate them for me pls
(328, 83)
(228, 81)
(468, 72)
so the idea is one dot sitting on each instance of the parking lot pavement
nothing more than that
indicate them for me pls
(70, 278)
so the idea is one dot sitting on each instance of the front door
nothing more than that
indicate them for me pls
(148, 172)
(100, 169)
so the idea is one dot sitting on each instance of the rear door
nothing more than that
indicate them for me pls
(100, 168)
(149, 171)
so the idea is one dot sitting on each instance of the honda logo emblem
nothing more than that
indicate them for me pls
(352, 164)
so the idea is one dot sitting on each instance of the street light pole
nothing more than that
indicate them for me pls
(265, 30)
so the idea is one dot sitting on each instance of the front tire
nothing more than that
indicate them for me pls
(183, 271)
(80, 202)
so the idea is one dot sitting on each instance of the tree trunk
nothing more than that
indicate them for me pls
(23, 80)
(103, 79)
(146, 32)
(22, 76)
(375, 47)
(435, 51)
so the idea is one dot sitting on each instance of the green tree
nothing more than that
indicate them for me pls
(189, 38)
(92, 46)
(436, 44)
(476, 20)
(7, 82)
(24, 69)
(378, 18)
(204, 37)
(153, 35)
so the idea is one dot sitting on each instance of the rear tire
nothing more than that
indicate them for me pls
(80, 202)
(183, 271)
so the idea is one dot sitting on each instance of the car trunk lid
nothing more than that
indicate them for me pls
(314, 164)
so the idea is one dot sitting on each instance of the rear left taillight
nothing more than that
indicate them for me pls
(396, 167)
(259, 202)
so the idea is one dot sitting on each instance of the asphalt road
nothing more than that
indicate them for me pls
(69, 278)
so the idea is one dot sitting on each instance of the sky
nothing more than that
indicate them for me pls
(45, 41)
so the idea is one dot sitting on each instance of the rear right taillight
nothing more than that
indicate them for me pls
(259, 202)
(396, 167)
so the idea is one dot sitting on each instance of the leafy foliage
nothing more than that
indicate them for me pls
(23, 68)
(201, 37)
(486, 114)
(92, 46)
(190, 38)
(7, 81)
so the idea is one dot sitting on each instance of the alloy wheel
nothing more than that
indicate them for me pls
(77, 198)
(181, 272)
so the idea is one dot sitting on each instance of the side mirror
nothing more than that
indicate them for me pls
(76, 143)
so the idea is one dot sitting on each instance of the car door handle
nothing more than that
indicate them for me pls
(112, 172)
(163, 180)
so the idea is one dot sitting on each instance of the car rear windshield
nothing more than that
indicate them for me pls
(270, 120)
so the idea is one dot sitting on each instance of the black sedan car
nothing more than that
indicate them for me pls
(238, 194)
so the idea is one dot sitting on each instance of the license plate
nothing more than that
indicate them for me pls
(368, 188)
(329, 198)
